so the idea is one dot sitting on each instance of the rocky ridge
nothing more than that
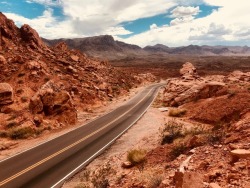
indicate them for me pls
(41, 85)
(105, 46)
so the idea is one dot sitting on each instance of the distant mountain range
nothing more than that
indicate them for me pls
(105, 46)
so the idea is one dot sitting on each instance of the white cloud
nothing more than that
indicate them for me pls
(182, 11)
(153, 26)
(227, 25)
(181, 20)
(230, 23)
(46, 25)
(46, 2)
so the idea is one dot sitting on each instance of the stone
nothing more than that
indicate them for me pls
(50, 100)
(30, 36)
(2, 60)
(241, 153)
(127, 164)
(74, 58)
(36, 105)
(238, 154)
(188, 180)
(188, 70)
(6, 94)
(214, 185)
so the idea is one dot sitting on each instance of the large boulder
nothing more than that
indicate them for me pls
(52, 101)
(31, 37)
(188, 71)
(6, 94)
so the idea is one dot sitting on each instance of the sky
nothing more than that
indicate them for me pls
(141, 22)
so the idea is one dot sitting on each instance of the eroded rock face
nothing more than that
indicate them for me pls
(2, 60)
(188, 71)
(6, 94)
(238, 76)
(52, 101)
(30, 36)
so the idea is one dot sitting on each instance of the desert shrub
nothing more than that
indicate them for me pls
(136, 156)
(3, 134)
(20, 133)
(81, 185)
(155, 181)
(176, 112)
(171, 131)
(178, 149)
(215, 137)
(99, 177)
(11, 124)
(231, 93)
(12, 117)
(197, 130)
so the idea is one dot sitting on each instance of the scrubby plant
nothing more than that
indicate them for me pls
(171, 131)
(136, 156)
(21, 132)
(178, 149)
(11, 124)
(155, 181)
(99, 177)
(177, 112)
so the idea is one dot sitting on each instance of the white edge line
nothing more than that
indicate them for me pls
(68, 131)
(77, 169)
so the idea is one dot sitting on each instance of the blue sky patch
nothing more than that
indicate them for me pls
(142, 25)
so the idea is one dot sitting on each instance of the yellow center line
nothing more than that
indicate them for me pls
(68, 147)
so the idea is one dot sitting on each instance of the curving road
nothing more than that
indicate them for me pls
(51, 163)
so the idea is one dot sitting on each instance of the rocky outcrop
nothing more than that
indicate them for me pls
(51, 101)
(6, 94)
(238, 76)
(188, 71)
(31, 37)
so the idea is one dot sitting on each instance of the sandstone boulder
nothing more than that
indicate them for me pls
(188, 71)
(52, 101)
(188, 180)
(6, 94)
(30, 36)
(238, 154)
(237, 76)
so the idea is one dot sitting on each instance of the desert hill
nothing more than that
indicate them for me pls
(105, 46)
(40, 86)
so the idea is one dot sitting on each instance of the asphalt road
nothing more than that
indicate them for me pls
(51, 163)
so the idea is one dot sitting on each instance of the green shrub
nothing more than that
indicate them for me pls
(176, 112)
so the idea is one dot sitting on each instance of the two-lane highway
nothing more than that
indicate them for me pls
(51, 163)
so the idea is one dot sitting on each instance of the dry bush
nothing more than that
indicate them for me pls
(99, 177)
(178, 149)
(136, 156)
(155, 181)
(21, 133)
(171, 131)
(176, 112)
